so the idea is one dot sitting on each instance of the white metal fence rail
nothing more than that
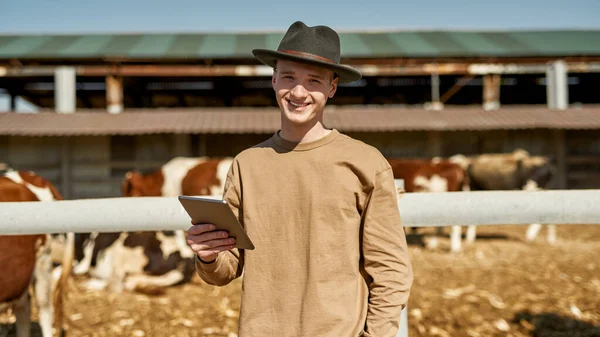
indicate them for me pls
(416, 209)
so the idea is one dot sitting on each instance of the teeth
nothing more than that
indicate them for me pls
(295, 104)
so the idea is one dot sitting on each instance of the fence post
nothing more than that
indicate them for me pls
(403, 331)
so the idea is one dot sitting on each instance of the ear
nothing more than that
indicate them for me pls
(55, 193)
(274, 79)
(334, 85)
(126, 185)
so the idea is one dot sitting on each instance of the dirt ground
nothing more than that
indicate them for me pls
(499, 286)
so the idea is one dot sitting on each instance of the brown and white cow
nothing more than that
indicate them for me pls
(27, 259)
(150, 261)
(511, 171)
(433, 175)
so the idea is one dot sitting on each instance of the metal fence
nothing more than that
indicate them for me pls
(561, 207)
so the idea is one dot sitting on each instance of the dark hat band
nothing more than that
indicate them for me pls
(307, 55)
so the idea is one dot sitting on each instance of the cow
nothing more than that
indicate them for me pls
(150, 261)
(27, 259)
(511, 171)
(433, 175)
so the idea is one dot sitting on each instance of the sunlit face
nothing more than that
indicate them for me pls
(302, 91)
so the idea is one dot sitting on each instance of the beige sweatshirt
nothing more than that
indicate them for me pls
(331, 257)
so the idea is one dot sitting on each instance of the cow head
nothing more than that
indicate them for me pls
(537, 172)
(137, 184)
(4, 167)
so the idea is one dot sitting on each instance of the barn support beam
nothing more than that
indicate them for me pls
(388, 69)
(64, 89)
(561, 158)
(456, 87)
(491, 92)
(436, 104)
(434, 143)
(66, 172)
(557, 86)
(114, 94)
(13, 101)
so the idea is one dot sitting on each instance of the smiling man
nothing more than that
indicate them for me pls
(321, 208)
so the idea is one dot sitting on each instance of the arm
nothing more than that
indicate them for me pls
(386, 258)
(229, 264)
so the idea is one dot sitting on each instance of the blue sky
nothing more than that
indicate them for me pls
(81, 16)
(88, 16)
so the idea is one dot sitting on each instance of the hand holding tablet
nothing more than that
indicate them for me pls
(216, 227)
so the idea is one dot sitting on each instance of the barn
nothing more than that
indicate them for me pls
(107, 104)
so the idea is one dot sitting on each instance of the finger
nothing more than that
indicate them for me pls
(206, 236)
(209, 255)
(208, 245)
(201, 228)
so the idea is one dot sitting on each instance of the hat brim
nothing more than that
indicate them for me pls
(269, 57)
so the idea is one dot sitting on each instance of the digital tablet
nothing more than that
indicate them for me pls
(218, 213)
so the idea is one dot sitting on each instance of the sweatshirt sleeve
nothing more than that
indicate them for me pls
(386, 258)
(229, 264)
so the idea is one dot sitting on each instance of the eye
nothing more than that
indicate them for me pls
(315, 81)
(288, 77)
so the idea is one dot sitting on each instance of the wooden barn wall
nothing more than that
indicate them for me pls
(39, 154)
(90, 157)
(396, 144)
(583, 150)
(97, 164)
(536, 142)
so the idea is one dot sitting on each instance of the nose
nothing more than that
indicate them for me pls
(299, 92)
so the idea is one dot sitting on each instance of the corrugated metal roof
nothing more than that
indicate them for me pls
(261, 120)
(365, 44)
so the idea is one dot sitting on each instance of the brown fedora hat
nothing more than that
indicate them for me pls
(318, 45)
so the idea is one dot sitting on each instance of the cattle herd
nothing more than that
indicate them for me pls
(151, 261)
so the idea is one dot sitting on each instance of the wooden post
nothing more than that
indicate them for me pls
(65, 168)
(436, 104)
(114, 94)
(491, 92)
(557, 86)
(13, 102)
(561, 158)
(65, 96)
(181, 145)
(434, 143)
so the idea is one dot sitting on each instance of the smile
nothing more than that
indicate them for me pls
(298, 104)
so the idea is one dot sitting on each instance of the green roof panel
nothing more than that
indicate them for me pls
(414, 45)
(273, 40)
(510, 45)
(358, 44)
(22, 46)
(53, 45)
(152, 46)
(218, 45)
(185, 45)
(353, 45)
(381, 44)
(477, 44)
(245, 44)
(552, 43)
(119, 46)
(86, 46)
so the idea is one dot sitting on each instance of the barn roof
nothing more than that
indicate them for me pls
(266, 120)
(539, 43)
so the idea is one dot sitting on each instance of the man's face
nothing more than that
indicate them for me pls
(302, 91)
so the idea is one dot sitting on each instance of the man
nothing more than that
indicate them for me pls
(321, 208)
